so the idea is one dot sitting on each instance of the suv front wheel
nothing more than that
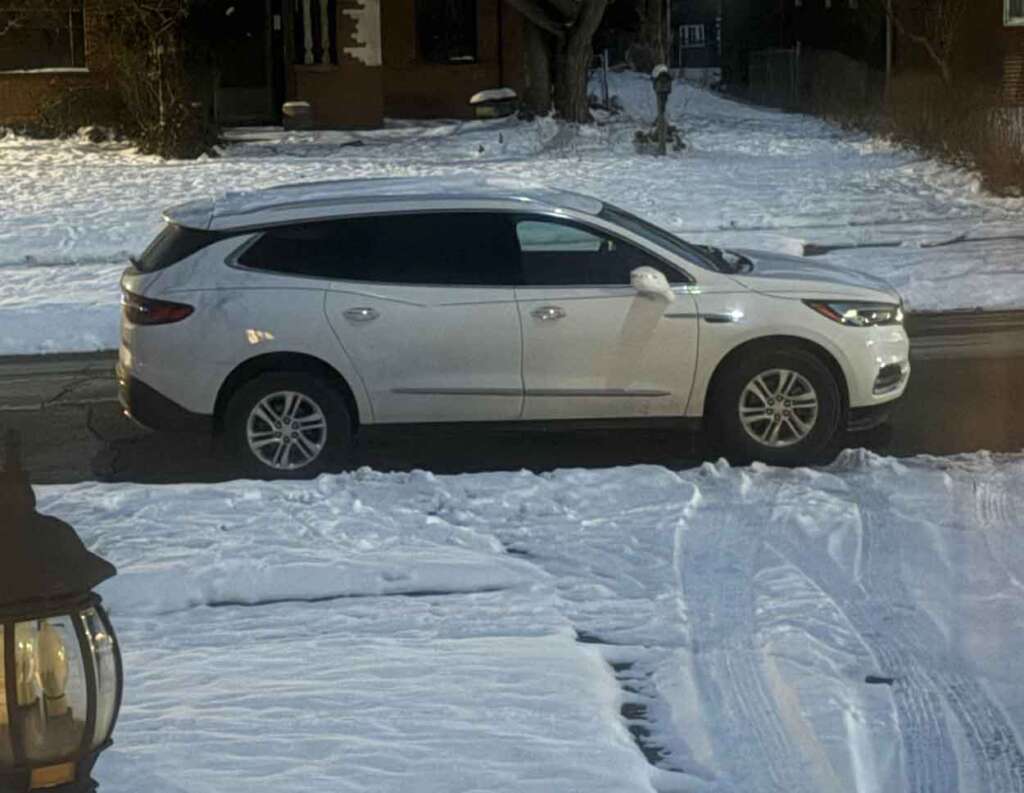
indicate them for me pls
(780, 407)
(288, 425)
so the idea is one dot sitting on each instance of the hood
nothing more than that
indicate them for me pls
(779, 273)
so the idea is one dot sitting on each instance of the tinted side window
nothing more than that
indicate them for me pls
(173, 244)
(562, 254)
(451, 248)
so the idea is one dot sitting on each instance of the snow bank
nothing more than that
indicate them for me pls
(258, 543)
(751, 177)
(386, 695)
(856, 628)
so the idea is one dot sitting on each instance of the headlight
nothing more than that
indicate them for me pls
(858, 314)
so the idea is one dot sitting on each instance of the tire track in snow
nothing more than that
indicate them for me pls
(717, 563)
(995, 752)
(994, 749)
(908, 646)
(929, 757)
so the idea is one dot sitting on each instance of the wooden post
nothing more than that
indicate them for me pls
(325, 33)
(307, 27)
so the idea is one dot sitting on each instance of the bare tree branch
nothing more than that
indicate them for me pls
(934, 25)
(11, 24)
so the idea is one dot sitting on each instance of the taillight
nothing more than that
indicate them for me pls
(141, 310)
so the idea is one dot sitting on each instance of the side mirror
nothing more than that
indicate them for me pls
(651, 283)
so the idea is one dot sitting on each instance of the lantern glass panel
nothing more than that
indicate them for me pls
(6, 752)
(52, 696)
(101, 644)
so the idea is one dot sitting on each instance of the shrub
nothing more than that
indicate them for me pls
(963, 123)
(140, 84)
(146, 54)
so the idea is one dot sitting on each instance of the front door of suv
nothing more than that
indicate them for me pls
(593, 347)
(424, 305)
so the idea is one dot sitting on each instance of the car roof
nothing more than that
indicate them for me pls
(329, 199)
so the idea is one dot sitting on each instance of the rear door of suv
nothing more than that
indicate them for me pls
(424, 304)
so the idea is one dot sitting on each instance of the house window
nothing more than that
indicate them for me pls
(315, 25)
(50, 38)
(1014, 12)
(691, 36)
(447, 30)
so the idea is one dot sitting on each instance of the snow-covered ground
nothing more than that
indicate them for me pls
(72, 211)
(521, 632)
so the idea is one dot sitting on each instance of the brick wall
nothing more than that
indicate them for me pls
(24, 95)
(414, 88)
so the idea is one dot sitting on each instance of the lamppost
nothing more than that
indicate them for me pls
(661, 81)
(60, 675)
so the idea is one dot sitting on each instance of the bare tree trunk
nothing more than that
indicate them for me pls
(652, 28)
(565, 30)
(572, 64)
(537, 68)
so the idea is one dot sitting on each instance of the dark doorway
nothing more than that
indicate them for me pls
(245, 37)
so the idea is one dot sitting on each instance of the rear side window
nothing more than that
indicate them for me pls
(173, 244)
(450, 248)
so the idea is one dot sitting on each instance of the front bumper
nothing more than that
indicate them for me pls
(877, 365)
(148, 407)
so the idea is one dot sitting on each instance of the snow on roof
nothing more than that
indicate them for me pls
(238, 210)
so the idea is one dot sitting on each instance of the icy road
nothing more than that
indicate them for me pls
(856, 628)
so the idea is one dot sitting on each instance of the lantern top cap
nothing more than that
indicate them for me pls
(43, 558)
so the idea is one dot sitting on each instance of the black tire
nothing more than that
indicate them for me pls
(335, 439)
(740, 446)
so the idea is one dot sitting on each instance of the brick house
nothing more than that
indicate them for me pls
(697, 33)
(355, 61)
(992, 47)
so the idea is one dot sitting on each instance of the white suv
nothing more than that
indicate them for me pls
(290, 317)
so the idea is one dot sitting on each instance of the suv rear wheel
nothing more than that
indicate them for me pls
(288, 425)
(781, 407)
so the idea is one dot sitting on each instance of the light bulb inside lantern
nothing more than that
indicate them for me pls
(41, 663)
(52, 655)
(25, 663)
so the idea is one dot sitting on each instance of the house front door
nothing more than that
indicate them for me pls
(245, 71)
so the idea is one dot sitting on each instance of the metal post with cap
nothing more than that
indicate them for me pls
(61, 676)
(661, 79)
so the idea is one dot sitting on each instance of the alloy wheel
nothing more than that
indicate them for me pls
(286, 430)
(778, 408)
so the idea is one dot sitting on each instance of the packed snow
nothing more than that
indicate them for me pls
(854, 628)
(72, 211)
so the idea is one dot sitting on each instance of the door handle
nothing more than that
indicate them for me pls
(548, 313)
(361, 314)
